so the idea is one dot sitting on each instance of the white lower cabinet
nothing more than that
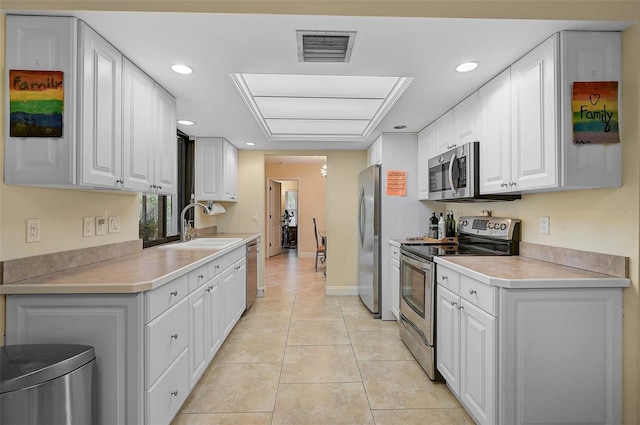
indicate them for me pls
(151, 347)
(395, 280)
(537, 355)
(467, 354)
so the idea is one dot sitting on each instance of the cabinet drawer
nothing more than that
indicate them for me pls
(479, 294)
(394, 251)
(448, 278)
(165, 338)
(165, 398)
(214, 267)
(232, 257)
(197, 277)
(161, 299)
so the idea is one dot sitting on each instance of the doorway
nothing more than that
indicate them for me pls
(302, 197)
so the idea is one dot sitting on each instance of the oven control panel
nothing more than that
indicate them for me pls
(495, 227)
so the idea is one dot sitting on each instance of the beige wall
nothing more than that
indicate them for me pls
(600, 220)
(311, 200)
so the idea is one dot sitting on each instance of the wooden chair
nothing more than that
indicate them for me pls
(321, 252)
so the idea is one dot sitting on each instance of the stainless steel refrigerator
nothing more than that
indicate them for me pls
(369, 211)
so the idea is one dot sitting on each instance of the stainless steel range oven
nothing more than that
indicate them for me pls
(476, 236)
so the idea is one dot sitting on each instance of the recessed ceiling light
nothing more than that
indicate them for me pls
(467, 66)
(181, 69)
(250, 144)
(400, 127)
(186, 122)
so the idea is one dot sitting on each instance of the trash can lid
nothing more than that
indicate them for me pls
(25, 365)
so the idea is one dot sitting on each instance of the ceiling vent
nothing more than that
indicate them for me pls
(325, 46)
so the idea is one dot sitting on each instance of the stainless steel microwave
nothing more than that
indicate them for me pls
(455, 176)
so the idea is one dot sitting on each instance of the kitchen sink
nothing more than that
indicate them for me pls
(203, 243)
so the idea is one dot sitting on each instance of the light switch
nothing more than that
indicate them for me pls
(114, 224)
(88, 227)
(101, 225)
(544, 225)
(33, 230)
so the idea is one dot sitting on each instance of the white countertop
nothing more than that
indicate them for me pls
(517, 272)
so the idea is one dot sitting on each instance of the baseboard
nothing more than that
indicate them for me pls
(306, 254)
(341, 290)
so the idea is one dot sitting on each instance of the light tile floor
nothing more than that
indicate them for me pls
(299, 357)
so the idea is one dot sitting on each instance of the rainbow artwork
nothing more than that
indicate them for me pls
(36, 103)
(595, 112)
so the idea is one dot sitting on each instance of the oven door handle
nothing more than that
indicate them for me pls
(454, 190)
(422, 265)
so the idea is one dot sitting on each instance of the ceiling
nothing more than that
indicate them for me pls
(217, 46)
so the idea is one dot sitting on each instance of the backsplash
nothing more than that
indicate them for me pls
(613, 265)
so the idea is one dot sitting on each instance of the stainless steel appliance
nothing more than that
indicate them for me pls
(455, 176)
(476, 236)
(369, 287)
(252, 272)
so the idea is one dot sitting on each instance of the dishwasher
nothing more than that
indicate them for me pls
(252, 272)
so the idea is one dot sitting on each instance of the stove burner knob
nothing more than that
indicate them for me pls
(489, 225)
(503, 226)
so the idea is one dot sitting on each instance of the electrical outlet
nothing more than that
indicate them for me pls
(33, 230)
(101, 225)
(544, 225)
(88, 227)
(114, 224)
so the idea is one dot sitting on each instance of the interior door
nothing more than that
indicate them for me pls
(275, 227)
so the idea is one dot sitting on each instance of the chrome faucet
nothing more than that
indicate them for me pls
(184, 234)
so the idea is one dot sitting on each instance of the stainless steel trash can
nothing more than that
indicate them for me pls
(50, 384)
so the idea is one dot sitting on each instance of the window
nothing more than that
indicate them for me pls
(159, 214)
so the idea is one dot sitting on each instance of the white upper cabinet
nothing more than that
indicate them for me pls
(374, 153)
(165, 169)
(495, 134)
(466, 120)
(115, 131)
(150, 147)
(445, 133)
(99, 110)
(34, 43)
(138, 131)
(426, 149)
(534, 114)
(216, 170)
(541, 154)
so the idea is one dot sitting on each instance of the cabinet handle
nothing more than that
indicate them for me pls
(174, 336)
(159, 187)
(174, 393)
(174, 293)
(503, 185)
(217, 267)
(512, 183)
(444, 277)
(460, 307)
(454, 303)
(120, 181)
(200, 276)
(208, 289)
(472, 291)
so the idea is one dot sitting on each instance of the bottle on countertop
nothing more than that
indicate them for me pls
(441, 227)
(447, 224)
(433, 226)
(450, 225)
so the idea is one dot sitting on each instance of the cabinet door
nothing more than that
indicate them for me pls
(39, 43)
(198, 349)
(445, 133)
(214, 316)
(240, 291)
(448, 346)
(426, 149)
(495, 135)
(228, 307)
(534, 112)
(208, 168)
(100, 110)
(395, 286)
(465, 120)
(478, 363)
(138, 128)
(165, 169)
(230, 175)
